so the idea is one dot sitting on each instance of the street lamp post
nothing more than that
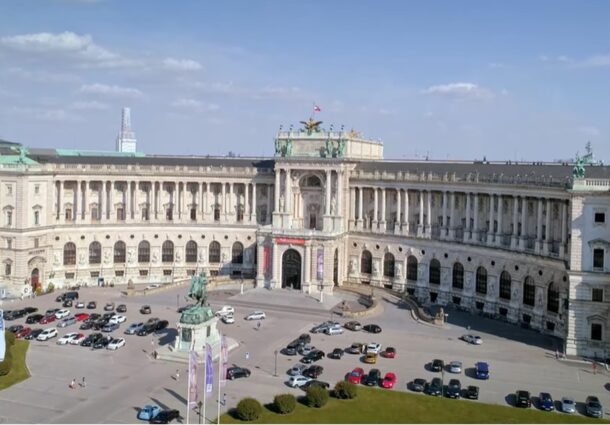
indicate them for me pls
(177, 301)
(321, 292)
(200, 406)
(275, 370)
(442, 382)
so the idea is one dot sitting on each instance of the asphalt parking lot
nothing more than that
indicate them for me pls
(118, 383)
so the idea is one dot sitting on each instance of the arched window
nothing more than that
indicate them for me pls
(458, 276)
(95, 253)
(552, 298)
(412, 268)
(388, 264)
(144, 252)
(434, 275)
(191, 252)
(214, 254)
(119, 252)
(69, 254)
(481, 284)
(366, 262)
(167, 252)
(505, 281)
(529, 291)
(237, 253)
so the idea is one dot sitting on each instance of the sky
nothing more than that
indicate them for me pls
(460, 80)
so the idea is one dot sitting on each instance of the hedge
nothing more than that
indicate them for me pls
(284, 403)
(249, 409)
(316, 396)
(345, 390)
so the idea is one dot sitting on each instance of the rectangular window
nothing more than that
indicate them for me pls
(597, 295)
(36, 242)
(527, 318)
(169, 214)
(37, 189)
(70, 275)
(456, 300)
(9, 243)
(68, 214)
(596, 331)
(36, 218)
(544, 232)
(120, 214)
(167, 272)
(193, 214)
(119, 273)
(190, 272)
(9, 218)
(7, 269)
(600, 218)
(598, 258)
(95, 213)
(479, 305)
(550, 326)
(145, 214)
(143, 273)
(94, 274)
(9, 189)
(503, 311)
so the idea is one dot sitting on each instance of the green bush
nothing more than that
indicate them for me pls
(316, 396)
(249, 409)
(38, 291)
(50, 287)
(284, 403)
(9, 339)
(346, 390)
(7, 363)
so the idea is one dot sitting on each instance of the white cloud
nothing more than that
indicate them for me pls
(589, 131)
(41, 76)
(459, 91)
(106, 90)
(182, 64)
(194, 104)
(267, 92)
(90, 105)
(595, 61)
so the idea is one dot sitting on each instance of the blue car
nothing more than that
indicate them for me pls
(148, 412)
(546, 402)
(481, 370)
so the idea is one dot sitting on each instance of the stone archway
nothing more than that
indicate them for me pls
(35, 279)
(291, 269)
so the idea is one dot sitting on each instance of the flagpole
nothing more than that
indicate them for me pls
(219, 373)
(188, 391)
(205, 380)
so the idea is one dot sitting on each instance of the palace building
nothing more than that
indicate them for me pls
(528, 243)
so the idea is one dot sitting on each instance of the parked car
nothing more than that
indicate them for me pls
(122, 308)
(160, 325)
(15, 328)
(353, 326)
(34, 334)
(435, 387)
(545, 402)
(148, 412)
(372, 378)
(314, 356)
(389, 353)
(146, 329)
(165, 416)
(109, 307)
(256, 315)
(355, 376)
(455, 367)
(304, 350)
(80, 304)
(66, 322)
(228, 319)
(334, 330)
(77, 339)
(86, 325)
(373, 347)
(522, 399)
(388, 380)
(91, 305)
(418, 385)
(375, 329)
(47, 319)
(33, 318)
(481, 370)
(67, 338)
(290, 351)
(337, 353)
(51, 311)
(303, 339)
(91, 339)
(102, 342)
(117, 319)
(145, 309)
(593, 407)
(356, 348)
(313, 371)
(472, 392)
(110, 327)
(454, 388)
(30, 310)
(107, 316)
(134, 328)
(23, 332)
(437, 365)
(224, 310)
(297, 369)
(297, 381)
(153, 286)
(315, 383)
(47, 334)
(370, 358)
(116, 343)
(472, 339)
(67, 303)
(322, 327)
(568, 405)
(62, 313)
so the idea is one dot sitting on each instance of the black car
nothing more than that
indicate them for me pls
(304, 338)
(437, 365)
(418, 385)
(372, 379)
(91, 305)
(145, 309)
(33, 318)
(107, 316)
(313, 371)
(16, 314)
(290, 351)
(146, 329)
(93, 317)
(99, 324)
(314, 356)
(454, 389)
(122, 308)
(337, 353)
(472, 392)
(102, 342)
(30, 310)
(67, 303)
(593, 407)
(91, 339)
(160, 325)
(374, 329)
(86, 325)
(237, 372)
(165, 416)
(435, 387)
(59, 298)
(353, 325)
(15, 328)
(315, 383)
(34, 334)
(522, 399)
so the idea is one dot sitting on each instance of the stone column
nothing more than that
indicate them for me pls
(444, 218)
(490, 230)
(405, 227)
(246, 202)
(339, 211)
(359, 222)
(352, 206)
(76, 200)
(522, 240)
(539, 227)
(452, 217)
(307, 263)
(547, 230)
(328, 189)
(475, 235)
(428, 229)
(128, 202)
(59, 201)
(564, 229)
(260, 266)
(109, 203)
(275, 279)
(398, 211)
(223, 201)
(253, 213)
(201, 201)
(153, 206)
(420, 225)
(375, 209)
(382, 222)
(515, 236)
(269, 210)
(85, 197)
(288, 190)
(499, 233)
(276, 198)
(468, 230)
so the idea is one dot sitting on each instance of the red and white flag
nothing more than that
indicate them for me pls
(316, 108)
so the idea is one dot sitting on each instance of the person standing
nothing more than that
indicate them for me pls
(177, 375)
(84, 384)
(73, 383)
(247, 355)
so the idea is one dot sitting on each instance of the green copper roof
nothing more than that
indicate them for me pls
(76, 152)
(16, 159)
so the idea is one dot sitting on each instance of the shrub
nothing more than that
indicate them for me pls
(50, 287)
(284, 403)
(346, 390)
(316, 396)
(249, 409)
(9, 339)
(7, 363)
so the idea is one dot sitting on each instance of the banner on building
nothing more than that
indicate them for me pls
(266, 255)
(320, 264)
(2, 347)
(209, 370)
(224, 361)
(193, 378)
(289, 241)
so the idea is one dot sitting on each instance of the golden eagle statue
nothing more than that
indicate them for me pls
(311, 125)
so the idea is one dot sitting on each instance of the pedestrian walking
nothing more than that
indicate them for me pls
(224, 399)
(84, 384)
(73, 383)
(556, 354)
(247, 355)
(177, 375)
(258, 325)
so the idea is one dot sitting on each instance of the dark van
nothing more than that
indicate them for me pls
(72, 295)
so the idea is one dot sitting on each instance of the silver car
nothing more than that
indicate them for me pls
(134, 328)
(455, 367)
(297, 370)
(568, 405)
(66, 322)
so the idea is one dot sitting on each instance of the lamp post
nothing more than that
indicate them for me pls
(443, 382)
(321, 286)
(177, 301)
(200, 406)
(275, 369)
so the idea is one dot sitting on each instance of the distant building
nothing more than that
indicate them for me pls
(126, 140)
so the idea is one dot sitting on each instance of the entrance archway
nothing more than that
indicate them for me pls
(35, 279)
(291, 269)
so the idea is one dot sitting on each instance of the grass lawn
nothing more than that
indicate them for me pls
(383, 406)
(19, 372)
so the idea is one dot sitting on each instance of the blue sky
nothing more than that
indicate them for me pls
(451, 80)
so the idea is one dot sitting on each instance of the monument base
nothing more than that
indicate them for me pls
(169, 354)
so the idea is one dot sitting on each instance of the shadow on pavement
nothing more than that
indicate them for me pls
(161, 405)
(176, 395)
(168, 337)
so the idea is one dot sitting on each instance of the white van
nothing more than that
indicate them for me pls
(334, 330)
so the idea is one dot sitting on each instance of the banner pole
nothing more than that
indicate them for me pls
(188, 391)
(205, 385)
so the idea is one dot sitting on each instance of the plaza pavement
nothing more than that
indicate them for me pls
(120, 382)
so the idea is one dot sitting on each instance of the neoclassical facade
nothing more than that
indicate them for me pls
(521, 242)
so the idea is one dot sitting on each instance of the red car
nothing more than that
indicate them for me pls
(355, 376)
(47, 319)
(81, 316)
(388, 380)
(389, 353)
(23, 332)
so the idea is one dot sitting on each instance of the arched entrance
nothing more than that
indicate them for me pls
(35, 279)
(291, 269)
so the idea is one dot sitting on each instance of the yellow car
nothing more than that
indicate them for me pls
(370, 358)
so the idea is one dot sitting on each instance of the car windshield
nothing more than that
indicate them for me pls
(594, 404)
(354, 373)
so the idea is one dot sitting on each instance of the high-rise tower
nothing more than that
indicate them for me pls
(126, 140)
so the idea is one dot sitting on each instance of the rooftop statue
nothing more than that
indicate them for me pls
(311, 126)
(578, 172)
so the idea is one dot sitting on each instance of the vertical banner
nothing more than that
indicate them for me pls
(2, 347)
(193, 379)
(224, 360)
(320, 264)
(266, 254)
(209, 370)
